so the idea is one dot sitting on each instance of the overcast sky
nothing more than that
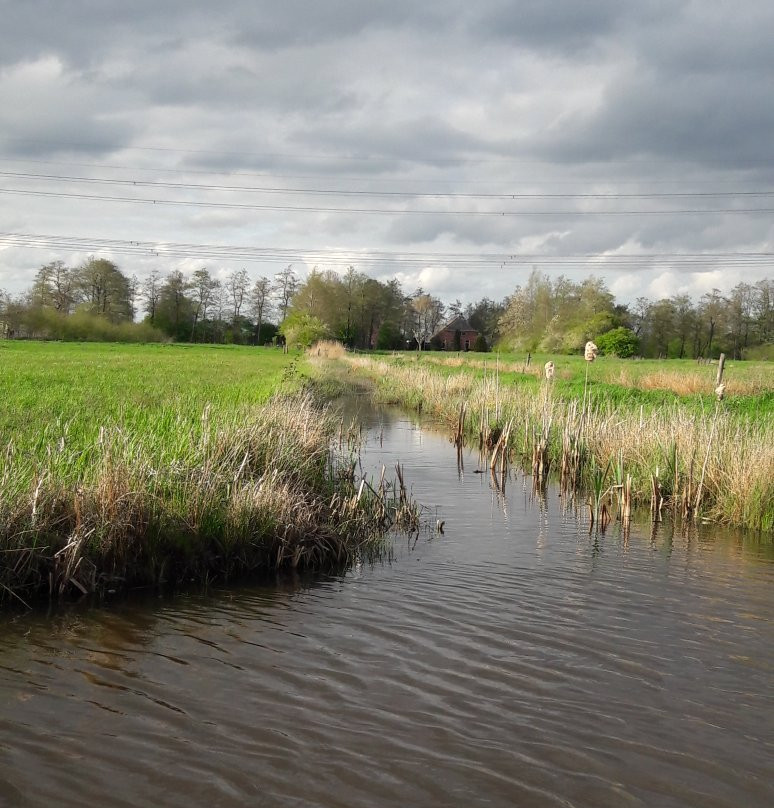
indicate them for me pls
(454, 145)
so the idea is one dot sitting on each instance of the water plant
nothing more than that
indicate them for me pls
(718, 461)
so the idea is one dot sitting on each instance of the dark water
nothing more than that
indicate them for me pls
(513, 661)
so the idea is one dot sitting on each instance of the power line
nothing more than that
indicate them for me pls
(371, 179)
(384, 211)
(513, 196)
(345, 257)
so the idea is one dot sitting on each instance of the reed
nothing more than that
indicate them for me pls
(735, 451)
(226, 494)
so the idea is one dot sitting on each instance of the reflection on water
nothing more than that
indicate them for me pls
(513, 660)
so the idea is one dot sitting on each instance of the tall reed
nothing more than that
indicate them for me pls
(224, 494)
(737, 462)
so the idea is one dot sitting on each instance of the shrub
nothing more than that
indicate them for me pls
(480, 344)
(621, 342)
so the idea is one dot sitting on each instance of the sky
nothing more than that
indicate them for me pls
(454, 145)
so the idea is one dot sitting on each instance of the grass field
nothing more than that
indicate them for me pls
(134, 464)
(648, 382)
(658, 423)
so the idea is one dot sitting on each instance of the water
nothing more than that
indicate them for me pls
(514, 660)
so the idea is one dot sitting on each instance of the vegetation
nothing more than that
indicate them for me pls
(558, 316)
(543, 315)
(706, 458)
(621, 342)
(132, 465)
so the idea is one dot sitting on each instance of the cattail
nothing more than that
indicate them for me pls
(720, 391)
(550, 369)
(590, 352)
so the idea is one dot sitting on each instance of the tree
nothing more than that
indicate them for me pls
(54, 287)
(104, 289)
(134, 293)
(557, 316)
(684, 318)
(480, 345)
(455, 309)
(302, 330)
(260, 303)
(484, 315)
(237, 284)
(149, 292)
(711, 312)
(203, 286)
(285, 286)
(661, 326)
(621, 342)
(175, 310)
(426, 314)
(740, 317)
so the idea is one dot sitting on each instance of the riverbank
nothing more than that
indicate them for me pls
(129, 466)
(705, 459)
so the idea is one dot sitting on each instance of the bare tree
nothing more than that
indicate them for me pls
(285, 286)
(134, 293)
(150, 293)
(237, 285)
(427, 312)
(260, 303)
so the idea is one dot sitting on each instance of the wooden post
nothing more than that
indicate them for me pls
(721, 363)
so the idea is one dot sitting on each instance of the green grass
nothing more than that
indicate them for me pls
(45, 385)
(131, 465)
(714, 460)
(649, 383)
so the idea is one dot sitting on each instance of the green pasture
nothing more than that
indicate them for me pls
(645, 383)
(47, 387)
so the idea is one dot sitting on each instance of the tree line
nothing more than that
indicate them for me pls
(96, 300)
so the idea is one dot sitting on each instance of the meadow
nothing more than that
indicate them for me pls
(130, 465)
(628, 434)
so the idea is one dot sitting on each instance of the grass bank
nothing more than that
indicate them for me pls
(134, 465)
(705, 459)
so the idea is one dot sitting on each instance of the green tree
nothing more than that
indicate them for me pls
(621, 342)
(104, 290)
(175, 309)
(302, 330)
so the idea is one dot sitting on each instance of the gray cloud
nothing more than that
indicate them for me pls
(497, 97)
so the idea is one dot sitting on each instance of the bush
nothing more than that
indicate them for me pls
(480, 344)
(760, 352)
(621, 342)
(302, 330)
(389, 338)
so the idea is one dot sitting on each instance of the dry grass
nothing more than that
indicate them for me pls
(223, 496)
(673, 444)
(491, 363)
(691, 383)
(327, 349)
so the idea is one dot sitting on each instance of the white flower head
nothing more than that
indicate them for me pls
(590, 352)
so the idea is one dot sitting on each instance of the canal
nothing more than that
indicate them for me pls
(514, 660)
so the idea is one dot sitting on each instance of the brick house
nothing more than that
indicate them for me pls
(446, 335)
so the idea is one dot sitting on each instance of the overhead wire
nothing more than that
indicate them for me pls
(344, 257)
(381, 211)
(513, 195)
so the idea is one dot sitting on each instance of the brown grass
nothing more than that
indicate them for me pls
(225, 496)
(671, 443)
(327, 349)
